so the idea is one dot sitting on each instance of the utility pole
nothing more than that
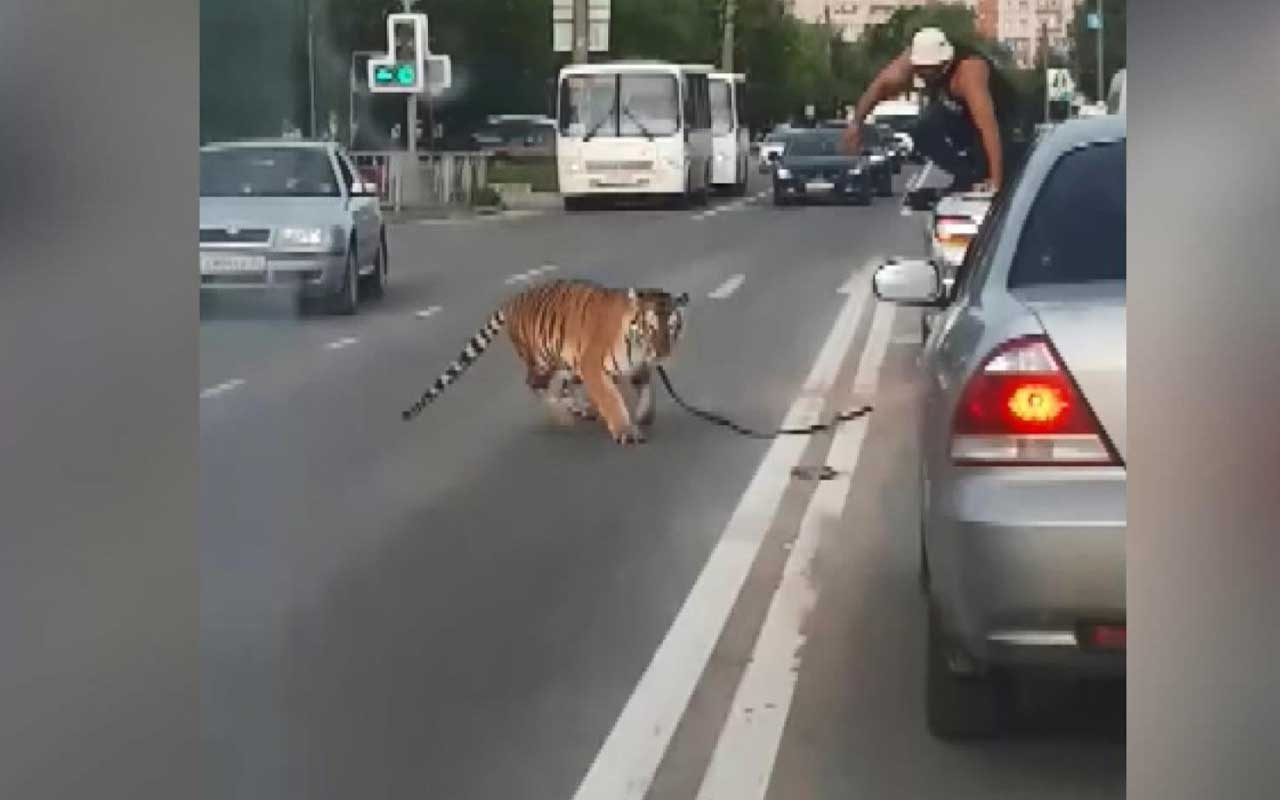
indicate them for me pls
(581, 32)
(726, 49)
(311, 73)
(1101, 90)
(411, 111)
(1044, 50)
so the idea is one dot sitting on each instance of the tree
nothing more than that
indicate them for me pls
(1085, 45)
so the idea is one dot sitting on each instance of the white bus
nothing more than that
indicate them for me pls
(634, 128)
(730, 140)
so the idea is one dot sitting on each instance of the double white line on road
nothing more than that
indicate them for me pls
(530, 274)
(916, 183)
(744, 757)
(628, 760)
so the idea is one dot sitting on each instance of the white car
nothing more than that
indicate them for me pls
(772, 148)
(291, 216)
(952, 225)
(950, 228)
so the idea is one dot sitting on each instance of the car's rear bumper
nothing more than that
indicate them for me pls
(1020, 561)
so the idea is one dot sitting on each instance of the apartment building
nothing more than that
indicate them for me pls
(852, 17)
(1021, 25)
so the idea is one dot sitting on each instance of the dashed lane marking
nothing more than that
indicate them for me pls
(222, 388)
(727, 288)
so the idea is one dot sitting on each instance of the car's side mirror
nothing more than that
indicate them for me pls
(908, 282)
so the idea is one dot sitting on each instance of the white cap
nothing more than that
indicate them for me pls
(929, 47)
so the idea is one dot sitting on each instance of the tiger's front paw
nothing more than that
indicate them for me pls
(631, 435)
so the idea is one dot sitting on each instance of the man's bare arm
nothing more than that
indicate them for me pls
(894, 79)
(973, 86)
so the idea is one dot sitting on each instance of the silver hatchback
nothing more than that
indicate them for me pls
(289, 215)
(1023, 475)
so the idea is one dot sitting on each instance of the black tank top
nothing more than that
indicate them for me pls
(1006, 99)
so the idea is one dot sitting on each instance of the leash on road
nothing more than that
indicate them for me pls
(716, 419)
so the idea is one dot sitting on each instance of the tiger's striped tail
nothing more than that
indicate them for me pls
(478, 344)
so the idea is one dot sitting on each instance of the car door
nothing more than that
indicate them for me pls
(362, 208)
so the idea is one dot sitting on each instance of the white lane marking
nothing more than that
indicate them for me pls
(345, 341)
(625, 765)
(222, 388)
(728, 287)
(530, 274)
(743, 761)
(858, 280)
(906, 338)
(426, 312)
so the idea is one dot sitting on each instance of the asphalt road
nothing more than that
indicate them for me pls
(482, 605)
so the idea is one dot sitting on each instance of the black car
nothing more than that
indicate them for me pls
(878, 149)
(815, 165)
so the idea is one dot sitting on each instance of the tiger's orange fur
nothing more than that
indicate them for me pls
(582, 331)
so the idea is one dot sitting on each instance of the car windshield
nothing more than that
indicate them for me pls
(267, 172)
(721, 107)
(1076, 230)
(631, 104)
(826, 143)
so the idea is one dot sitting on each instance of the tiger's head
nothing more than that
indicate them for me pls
(659, 321)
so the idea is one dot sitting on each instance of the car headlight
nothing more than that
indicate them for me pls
(784, 173)
(877, 159)
(303, 237)
(855, 171)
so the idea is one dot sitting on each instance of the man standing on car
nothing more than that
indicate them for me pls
(968, 115)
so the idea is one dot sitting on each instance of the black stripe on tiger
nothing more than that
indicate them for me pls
(472, 351)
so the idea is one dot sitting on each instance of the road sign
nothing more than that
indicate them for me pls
(1093, 21)
(1059, 85)
(399, 70)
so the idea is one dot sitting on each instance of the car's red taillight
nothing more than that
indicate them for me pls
(1021, 407)
(954, 229)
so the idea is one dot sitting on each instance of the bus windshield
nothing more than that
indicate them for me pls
(625, 104)
(721, 108)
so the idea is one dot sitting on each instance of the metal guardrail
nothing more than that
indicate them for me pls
(435, 178)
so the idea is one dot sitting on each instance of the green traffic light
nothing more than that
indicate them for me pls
(405, 74)
(383, 75)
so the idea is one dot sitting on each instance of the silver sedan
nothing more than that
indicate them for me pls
(289, 215)
(1023, 475)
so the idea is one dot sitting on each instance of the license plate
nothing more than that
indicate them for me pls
(219, 264)
(819, 186)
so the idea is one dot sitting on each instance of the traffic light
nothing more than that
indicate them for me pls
(400, 70)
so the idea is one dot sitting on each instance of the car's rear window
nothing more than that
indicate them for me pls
(1075, 232)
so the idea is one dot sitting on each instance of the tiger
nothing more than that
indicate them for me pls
(578, 337)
